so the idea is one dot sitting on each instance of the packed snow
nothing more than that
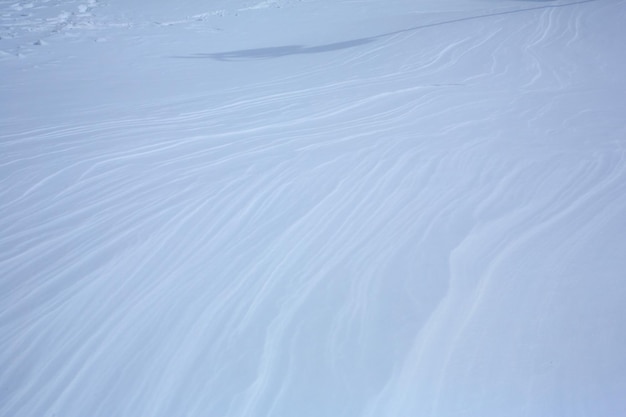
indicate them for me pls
(313, 208)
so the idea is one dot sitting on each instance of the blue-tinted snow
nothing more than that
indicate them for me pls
(312, 208)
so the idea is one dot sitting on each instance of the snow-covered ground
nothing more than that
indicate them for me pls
(313, 208)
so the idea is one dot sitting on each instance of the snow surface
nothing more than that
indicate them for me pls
(324, 208)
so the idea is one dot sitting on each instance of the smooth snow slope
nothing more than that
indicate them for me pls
(316, 208)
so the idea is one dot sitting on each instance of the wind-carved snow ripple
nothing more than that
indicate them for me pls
(437, 239)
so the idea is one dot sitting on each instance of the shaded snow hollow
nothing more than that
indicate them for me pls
(316, 208)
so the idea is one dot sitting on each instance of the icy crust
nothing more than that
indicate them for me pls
(24, 24)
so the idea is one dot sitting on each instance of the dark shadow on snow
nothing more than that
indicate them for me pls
(281, 51)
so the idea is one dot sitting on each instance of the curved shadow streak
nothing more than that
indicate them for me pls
(281, 51)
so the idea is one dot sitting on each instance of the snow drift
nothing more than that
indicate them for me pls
(312, 208)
